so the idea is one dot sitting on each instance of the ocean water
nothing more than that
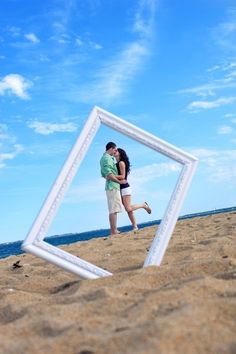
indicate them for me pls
(14, 248)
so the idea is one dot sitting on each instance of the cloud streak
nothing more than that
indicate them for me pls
(4, 156)
(224, 129)
(198, 105)
(15, 84)
(115, 75)
(224, 34)
(211, 88)
(112, 80)
(215, 86)
(218, 165)
(93, 190)
(8, 147)
(45, 128)
(32, 38)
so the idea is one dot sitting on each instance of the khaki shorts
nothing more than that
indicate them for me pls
(114, 201)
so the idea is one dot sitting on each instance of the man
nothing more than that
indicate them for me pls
(112, 186)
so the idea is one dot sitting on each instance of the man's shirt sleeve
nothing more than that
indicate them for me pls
(107, 166)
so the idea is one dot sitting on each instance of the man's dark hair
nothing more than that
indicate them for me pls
(110, 145)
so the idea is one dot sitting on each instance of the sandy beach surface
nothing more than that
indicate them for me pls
(187, 305)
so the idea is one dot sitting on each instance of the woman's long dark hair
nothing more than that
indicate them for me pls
(125, 159)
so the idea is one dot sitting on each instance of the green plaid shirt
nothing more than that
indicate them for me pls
(108, 165)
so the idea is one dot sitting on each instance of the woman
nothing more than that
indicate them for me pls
(123, 167)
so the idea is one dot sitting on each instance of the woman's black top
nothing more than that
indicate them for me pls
(122, 186)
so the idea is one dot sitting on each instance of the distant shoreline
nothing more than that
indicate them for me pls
(14, 248)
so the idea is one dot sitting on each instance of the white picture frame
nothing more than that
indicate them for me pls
(34, 242)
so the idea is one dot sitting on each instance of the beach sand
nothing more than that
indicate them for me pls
(187, 305)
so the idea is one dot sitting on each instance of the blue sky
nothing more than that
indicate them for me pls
(168, 67)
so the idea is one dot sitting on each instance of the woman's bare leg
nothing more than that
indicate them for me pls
(126, 199)
(132, 219)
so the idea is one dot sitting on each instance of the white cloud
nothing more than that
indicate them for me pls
(147, 175)
(7, 140)
(155, 170)
(63, 41)
(10, 154)
(116, 74)
(112, 80)
(93, 190)
(227, 81)
(90, 191)
(231, 76)
(230, 115)
(214, 68)
(209, 89)
(15, 31)
(144, 17)
(51, 128)
(32, 38)
(225, 129)
(8, 147)
(15, 84)
(218, 165)
(95, 45)
(197, 105)
(224, 33)
(64, 38)
(43, 58)
(222, 80)
(3, 132)
(79, 42)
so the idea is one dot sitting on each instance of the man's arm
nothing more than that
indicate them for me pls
(107, 171)
(106, 166)
(115, 179)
